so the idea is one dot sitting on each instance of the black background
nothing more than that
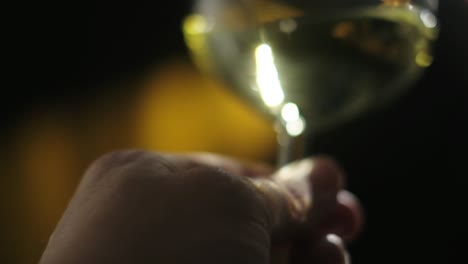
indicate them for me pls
(407, 163)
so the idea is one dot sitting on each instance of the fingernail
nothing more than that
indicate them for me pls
(355, 214)
(336, 240)
(294, 177)
(328, 249)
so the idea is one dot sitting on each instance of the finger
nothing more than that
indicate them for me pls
(302, 194)
(299, 195)
(346, 220)
(314, 184)
(356, 218)
(328, 250)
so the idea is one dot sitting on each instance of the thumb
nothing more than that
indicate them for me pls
(305, 198)
(300, 194)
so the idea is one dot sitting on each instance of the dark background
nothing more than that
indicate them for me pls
(407, 163)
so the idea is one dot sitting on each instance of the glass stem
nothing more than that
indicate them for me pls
(290, 148)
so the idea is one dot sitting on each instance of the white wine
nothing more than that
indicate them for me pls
(332, 66)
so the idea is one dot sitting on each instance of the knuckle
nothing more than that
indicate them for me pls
(127, 165)
(222, 191)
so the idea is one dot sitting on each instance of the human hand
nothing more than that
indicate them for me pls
(143, 207)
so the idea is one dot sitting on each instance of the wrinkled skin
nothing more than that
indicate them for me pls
(145, 207)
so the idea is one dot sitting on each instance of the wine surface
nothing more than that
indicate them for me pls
(332, 66)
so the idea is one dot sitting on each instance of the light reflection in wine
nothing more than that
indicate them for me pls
(429, 19)
(267, 77)
(293, 122)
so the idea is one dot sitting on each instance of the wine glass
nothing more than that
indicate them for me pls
(311, 65)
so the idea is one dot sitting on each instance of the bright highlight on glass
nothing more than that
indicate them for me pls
(290, 112)
(429, 20)
(295, 128)
(294, 123)
(267, 77)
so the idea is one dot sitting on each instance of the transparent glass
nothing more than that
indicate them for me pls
(312, 65)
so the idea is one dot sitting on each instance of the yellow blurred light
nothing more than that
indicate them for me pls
(182, 110)
(395, 2)
(423, 59)
(343, 30)
(196, 24)
(267, 11)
